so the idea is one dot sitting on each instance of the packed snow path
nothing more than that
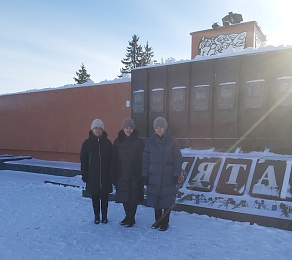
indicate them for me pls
(45, 221)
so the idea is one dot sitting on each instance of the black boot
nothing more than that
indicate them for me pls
(165, 220)
(124, 221)
(163, 226)
(104, 220)
(96, 207)
(104, 206)
(158, 217)
(130, 222)
(96, 220)
(156, 225)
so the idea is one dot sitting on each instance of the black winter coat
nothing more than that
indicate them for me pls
(162, 161)
(126, 167)
(95, 158)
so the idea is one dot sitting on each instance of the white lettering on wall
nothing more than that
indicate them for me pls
(269, 177)
(204, 174)
(234, 172)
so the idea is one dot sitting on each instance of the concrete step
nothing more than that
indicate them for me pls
(29, 164)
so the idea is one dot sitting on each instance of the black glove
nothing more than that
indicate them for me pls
(85, 178)
(175, 180)
(145, 180)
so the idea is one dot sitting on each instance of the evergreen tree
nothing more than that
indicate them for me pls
(82, 75)
(136, 56)
(147, 55)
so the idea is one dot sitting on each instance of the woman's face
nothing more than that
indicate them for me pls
(160, 131)
(97, 131)
(128, 131)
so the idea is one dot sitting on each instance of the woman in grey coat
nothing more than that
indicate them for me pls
(161, 168)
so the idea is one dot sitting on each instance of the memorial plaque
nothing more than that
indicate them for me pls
(254, 94)
(157, 100)
(138, 101)
(226, 95)
(178, 98)
(284, 91)
(200, 97)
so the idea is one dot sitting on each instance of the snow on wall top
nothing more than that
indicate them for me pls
(229, 53)
(86, 84)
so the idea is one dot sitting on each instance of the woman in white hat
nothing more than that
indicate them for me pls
(95, 168)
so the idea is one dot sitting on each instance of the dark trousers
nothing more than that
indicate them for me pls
(162, 216)
(96, 199)
(130, 209)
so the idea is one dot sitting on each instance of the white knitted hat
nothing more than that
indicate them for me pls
(97, 123)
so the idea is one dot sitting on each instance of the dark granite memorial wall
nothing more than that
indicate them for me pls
(223, 102)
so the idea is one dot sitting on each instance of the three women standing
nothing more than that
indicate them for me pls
(162, 162)
(125, 163)
(126, 170)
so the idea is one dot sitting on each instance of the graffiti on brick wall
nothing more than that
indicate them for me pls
(221, 43)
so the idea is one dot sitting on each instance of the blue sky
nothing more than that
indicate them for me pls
(44, 42)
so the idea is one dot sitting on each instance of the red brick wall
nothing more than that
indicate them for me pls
(53, 124)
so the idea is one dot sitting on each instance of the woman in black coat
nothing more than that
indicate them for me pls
(126, 170)
(95, 168)
(162, 162)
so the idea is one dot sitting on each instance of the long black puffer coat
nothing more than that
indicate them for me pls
(95, 158)
(126, 167)
(162, 161)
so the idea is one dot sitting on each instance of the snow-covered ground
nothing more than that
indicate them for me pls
(46, 221)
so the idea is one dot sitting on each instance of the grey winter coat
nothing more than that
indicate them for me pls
(95, 158)
(126, 167)
(162, 161)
